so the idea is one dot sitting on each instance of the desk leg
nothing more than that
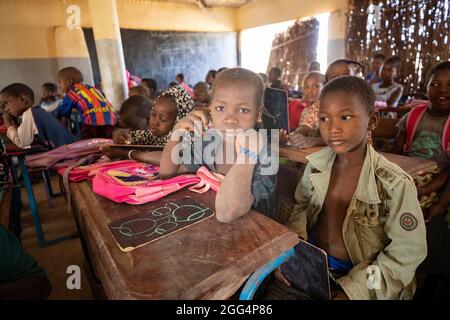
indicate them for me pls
(259, 275)
(17, 204)
(32, 201)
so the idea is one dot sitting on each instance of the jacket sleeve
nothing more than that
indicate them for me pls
(394, 267)
(298, 220)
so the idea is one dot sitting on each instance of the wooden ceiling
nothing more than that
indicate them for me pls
(210, 3)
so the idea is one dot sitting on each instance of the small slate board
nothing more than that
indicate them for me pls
(163, 218)
(275, 115)
(308, 271)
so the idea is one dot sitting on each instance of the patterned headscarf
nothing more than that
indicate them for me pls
(185, 105)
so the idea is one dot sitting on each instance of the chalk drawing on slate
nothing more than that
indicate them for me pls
(163, 219)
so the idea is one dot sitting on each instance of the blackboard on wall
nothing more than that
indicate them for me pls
(161, 55)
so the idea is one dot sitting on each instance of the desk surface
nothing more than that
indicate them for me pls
(209, 260)
(413, 166)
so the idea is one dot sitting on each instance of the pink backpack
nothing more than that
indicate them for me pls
(138, 183)
(67, 155)
(412, 121)
(81, 173)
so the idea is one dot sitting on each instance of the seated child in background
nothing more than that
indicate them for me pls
(210, 77)
(152, 87)
(342, 67)
(180, 80)
(425, 133)
(98, 116)
(50, 101)
(237, 101)
(134, 114)
(20, 275)
(357, 206)
(171, 106)
(275, 81)
(138, 90)
(18, 100)
(304, 117)
(373, 76)
(202, 98)
(309, 135)
(388, 90)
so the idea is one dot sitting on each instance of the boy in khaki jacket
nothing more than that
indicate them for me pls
(356, 205)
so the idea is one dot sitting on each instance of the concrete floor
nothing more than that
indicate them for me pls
(55, 258)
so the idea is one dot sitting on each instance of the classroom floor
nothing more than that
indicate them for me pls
(56, 222)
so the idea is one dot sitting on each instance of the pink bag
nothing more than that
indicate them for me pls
(66, 155)
(138, 183)
(82, 173)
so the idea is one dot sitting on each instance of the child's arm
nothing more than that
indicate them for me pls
(394, 267)
(444, 201)
(23, 135)
(65, 109)
(395, 96)
(169, 167)
(153, 157)
(234, 197)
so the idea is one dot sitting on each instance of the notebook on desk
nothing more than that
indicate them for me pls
(138, 147)
(308, 271)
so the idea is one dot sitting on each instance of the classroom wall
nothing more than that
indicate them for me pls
(36, 43)
(263, 12)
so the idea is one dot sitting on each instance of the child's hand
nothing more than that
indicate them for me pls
(7, 117)
(197, 116)
(284, 137)
(121, 136)
(280, 277)
(298, 140)
(435, 210)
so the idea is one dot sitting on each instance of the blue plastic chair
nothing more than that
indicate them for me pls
(255, 280)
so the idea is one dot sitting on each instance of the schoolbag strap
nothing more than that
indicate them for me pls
(412, 121)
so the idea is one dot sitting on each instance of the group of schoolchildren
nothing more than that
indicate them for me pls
(353, 203)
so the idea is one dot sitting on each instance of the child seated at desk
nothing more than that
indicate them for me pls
(425, 133)
(303, 119)
(237, 100)
(50, 101)
(356, 205)
(388, 90)
(20, 275)
(201, 97)
(37, 125)
(98, 116)
(171, 106)
(307, 135)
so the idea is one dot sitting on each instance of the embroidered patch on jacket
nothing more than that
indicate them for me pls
(408, 221)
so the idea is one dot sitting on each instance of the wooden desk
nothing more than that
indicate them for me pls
(209, 260)
(413, 166)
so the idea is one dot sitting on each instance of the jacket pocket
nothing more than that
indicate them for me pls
(371, 236)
